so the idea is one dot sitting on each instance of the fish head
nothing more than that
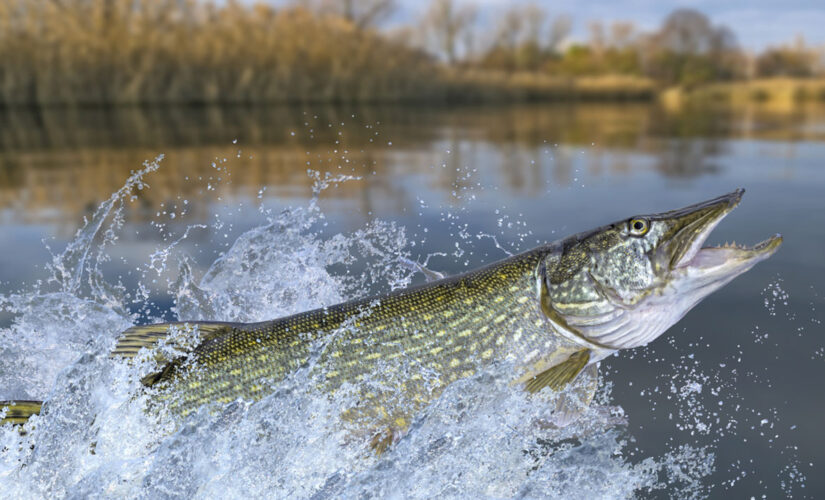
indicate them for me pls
(623, 285)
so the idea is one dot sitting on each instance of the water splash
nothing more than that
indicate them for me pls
(97, 439)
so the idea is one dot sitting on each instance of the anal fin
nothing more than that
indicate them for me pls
(559, 375)
(18, 412)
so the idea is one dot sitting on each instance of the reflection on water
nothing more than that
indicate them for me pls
(56, 165)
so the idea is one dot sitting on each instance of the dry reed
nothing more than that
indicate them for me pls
(185, 51)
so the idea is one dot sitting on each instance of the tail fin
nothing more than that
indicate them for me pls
(18, 412)
(136, 338)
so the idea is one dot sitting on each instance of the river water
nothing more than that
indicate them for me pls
(249, 214)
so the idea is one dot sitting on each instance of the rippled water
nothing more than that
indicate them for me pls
(725, 401)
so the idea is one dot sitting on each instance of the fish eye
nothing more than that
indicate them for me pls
(638, 227)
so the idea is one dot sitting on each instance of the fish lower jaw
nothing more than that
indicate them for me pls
(732, 253)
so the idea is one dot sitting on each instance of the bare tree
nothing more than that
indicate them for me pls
(510, 28)
(598, 40)
(534, 19)
(689, 50)
(687, 31)
(559, 31)
(361, 13)
(448, 24)
(622, 34)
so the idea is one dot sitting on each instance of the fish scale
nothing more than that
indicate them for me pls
(554, 311)
(452, 328)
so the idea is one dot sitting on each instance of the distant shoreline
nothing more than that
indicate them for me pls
(474, 87)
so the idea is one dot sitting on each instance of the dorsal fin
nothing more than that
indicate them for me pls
(136, 338)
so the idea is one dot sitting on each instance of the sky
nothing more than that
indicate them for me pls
(757, 23)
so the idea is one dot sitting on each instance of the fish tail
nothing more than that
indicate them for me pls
(136, 338)
(18, 412)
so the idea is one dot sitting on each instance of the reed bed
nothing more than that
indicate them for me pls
(105, 52)
(91, 52)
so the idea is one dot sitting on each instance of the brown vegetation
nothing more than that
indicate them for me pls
(151, 51)
(101, 52)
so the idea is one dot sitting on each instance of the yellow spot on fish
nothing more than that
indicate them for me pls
(465, 333)
(454, 363)
(498, 298)
(448, 314)
(373, 355)
(487, 354)
(522, 300)
(440, 333)
(500, 318)
(436, 350)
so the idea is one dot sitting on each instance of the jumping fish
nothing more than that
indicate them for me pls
(554, 312)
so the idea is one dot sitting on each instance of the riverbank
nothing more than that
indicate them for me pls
(778, 94)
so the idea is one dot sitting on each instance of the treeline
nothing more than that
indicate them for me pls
(92, 52)
(687, 50)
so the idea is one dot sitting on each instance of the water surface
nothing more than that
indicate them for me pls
(737, 381)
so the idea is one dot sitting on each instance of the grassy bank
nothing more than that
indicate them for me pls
(781, 94)
(493, 86)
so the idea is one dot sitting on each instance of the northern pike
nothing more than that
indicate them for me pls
(554, 311)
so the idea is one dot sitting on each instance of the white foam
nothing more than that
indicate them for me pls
(96, 438)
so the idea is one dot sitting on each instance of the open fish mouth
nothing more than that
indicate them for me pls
(691, 227)
(731, 253)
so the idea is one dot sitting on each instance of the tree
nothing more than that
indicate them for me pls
(794, 61)
(448, 24)
(361, 13)
(558, 33)
(689, 50)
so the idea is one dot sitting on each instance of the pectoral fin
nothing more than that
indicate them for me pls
(575, 399)
(559, 375)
